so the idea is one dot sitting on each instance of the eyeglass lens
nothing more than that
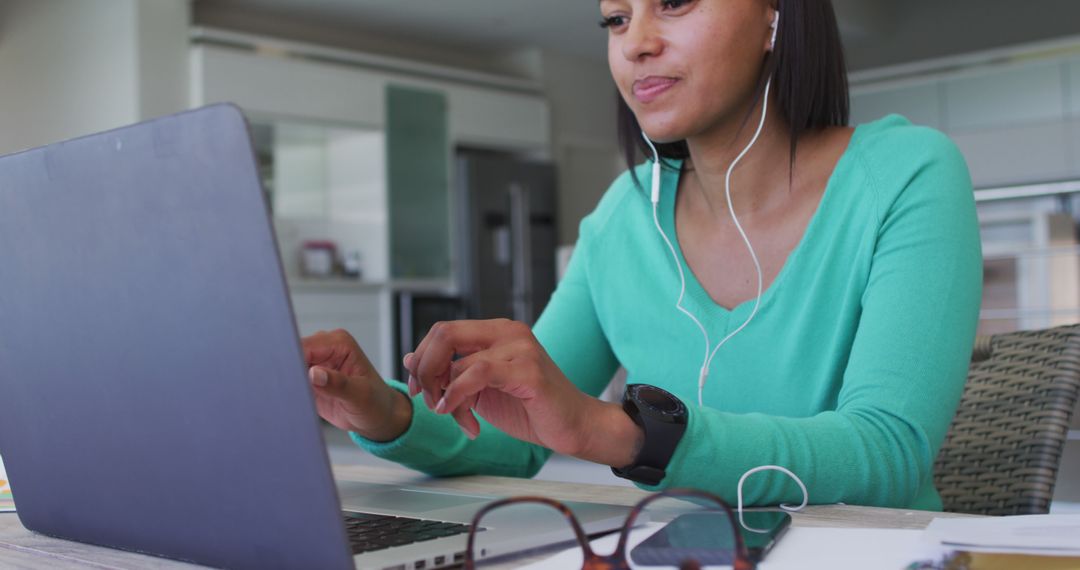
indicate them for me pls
(523, 529)
(693, 529)
(668, 532)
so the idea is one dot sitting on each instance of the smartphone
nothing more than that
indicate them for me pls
(688, 533)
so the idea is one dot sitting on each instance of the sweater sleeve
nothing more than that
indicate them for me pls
(570, 331)
(906, 369)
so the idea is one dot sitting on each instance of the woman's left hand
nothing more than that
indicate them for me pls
(506, 376)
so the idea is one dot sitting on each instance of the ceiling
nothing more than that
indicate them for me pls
(564, 26)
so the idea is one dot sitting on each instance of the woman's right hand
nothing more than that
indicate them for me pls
(349, 392)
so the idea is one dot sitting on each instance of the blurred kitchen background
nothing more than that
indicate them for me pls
(429, 160)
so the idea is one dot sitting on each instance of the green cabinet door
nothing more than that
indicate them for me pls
(418, 170)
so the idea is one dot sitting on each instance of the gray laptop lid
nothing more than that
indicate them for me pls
(153, 395)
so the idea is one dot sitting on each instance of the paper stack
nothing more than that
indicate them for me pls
(1032, 542)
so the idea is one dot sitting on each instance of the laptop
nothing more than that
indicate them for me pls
(155, 396)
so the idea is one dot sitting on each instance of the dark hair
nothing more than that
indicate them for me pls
(808, 73)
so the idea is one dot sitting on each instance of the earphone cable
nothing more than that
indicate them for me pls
(655, 198)
(746, 240)
(682, 293)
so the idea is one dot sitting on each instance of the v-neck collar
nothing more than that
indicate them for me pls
(694, 290)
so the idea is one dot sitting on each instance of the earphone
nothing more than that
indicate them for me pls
(655, 198)
(704, 372)
(783, 506)
(775, 26)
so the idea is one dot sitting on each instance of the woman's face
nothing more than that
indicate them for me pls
(686, 66)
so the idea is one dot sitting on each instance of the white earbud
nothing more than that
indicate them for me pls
(775, 26)
(655, 197)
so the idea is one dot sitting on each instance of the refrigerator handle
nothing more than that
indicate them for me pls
(406, 334)
(521, 268)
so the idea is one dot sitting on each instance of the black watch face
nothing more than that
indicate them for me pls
(657, 400)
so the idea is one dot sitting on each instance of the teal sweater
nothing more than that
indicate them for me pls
(849, 374)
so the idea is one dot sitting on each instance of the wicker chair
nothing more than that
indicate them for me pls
(1003, 449)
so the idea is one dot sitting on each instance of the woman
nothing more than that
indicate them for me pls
(831, 282)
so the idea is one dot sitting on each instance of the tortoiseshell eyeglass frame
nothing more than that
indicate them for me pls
(617, 560)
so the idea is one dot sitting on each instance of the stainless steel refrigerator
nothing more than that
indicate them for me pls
(506, 235)
(504, 250)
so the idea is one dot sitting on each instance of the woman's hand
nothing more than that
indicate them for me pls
(507, 377)
(349, 393)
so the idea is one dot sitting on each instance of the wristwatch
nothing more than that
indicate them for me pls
(663, 419)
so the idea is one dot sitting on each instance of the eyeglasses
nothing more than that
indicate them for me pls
(702, 531)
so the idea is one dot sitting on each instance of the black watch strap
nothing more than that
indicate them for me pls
(662, 417)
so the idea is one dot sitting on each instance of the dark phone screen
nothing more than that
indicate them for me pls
(704, 540)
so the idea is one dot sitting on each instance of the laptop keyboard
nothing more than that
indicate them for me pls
(368, 532)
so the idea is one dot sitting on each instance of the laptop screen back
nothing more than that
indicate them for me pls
(153, 395)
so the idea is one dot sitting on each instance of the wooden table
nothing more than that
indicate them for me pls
(21, 549)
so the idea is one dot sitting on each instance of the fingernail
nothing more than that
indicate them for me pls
(427, 400)
(470, 434)
(414, 388)
(319, 377)
(408, 360)
(441, 406)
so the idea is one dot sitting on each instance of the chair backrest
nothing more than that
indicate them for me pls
(1003, 449)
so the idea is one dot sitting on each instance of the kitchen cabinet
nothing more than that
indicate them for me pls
(1009, 95)
(921, 103)
(514, 118)
(418, 161)
(337, 167)
(361, 309)
(1036, 152)
(1072, 73)
(1024, 108)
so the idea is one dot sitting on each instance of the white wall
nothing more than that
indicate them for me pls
(162, 54)
(1023, 109)
(73, 67)
(68, 69)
